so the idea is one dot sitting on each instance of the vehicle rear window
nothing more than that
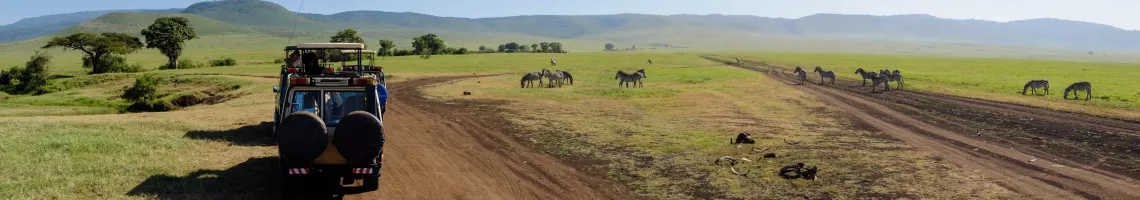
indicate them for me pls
(331, 105)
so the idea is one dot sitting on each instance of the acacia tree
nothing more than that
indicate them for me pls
(609, 47)
(346, 36)
(97, 47)
(169, 34)
(386, 47)
(534, 47)
(429, 42)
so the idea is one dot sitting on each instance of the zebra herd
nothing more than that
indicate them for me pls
(556, 77)
(1074, 88)
(884, 77)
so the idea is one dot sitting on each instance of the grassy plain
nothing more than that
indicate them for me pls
(1114, 86)
(661, 139)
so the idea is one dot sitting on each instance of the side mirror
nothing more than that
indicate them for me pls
(275, 88)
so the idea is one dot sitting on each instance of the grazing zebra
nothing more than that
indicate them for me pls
(825, 74)
(567, 77)
(553, 77)
(865, 74)
(897, 78)
(878, 79)
(801, 74)
(626, 78)
(529, 78)
(553, 62)
(1079, 86)
(1034, 84)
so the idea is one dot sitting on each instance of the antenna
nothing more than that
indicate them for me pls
(293, 33)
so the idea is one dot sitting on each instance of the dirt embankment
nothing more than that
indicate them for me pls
(1039, 152)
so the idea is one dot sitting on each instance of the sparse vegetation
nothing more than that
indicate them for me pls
(225, 61)
(97, 47)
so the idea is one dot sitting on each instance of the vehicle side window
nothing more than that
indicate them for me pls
(306, 101)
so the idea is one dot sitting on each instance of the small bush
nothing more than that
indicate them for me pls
(183, 64)
(118, 64)
(227, 61)
(461, 51)
(279, 61)
(143, 91)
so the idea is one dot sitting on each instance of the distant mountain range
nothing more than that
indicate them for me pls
(260, 16)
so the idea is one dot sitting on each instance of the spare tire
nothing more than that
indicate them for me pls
(359, 137)
(301, 138)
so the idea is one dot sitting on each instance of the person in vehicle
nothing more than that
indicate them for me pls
(294, 59)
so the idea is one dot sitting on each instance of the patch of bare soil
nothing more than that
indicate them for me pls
(1039, 152)
(466, 150)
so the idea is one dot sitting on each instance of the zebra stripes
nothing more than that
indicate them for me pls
(626, 78)
(1079, 86)
(529, 78)
(553, 77)
(566, 77)
(866, 75)
(879, 79)
(553, 62)
(801, 74)
(825, 74)
(1034, 84)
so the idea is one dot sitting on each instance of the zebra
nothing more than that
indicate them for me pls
(866, 75)
(1079, 86)
(879, 79)
(626, 78)
(566, 77)
(825, 74)
(801, 74)
(897, 78)
(553, 62)
(529, 78)
(553, 77)
(1034, 84)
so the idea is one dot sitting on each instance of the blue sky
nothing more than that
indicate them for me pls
(1119, 13)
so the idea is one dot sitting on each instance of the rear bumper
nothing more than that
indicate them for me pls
(346, 171)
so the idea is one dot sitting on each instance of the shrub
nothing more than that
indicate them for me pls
(279, 61)
(227, 61)
(183, 64)
(35, 72)
(114, 64)
(461, 51)
(143, 91)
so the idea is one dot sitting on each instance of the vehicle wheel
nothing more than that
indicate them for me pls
(359, 137)
(302, 137)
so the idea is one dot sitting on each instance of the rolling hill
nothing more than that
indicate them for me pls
(44, 25)
(267, 17)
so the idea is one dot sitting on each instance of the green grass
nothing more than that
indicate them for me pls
(1114, 91)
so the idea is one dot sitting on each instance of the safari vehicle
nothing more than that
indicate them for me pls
(328, 123)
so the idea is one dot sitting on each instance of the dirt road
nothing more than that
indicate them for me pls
(466, 151)
(989, 137)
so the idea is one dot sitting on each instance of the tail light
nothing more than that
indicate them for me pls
(299, 81)
(291, 70)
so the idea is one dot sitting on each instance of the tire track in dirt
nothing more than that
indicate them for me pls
(1041, 179)
(465, 150)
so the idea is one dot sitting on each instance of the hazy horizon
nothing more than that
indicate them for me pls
(1109, 12)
